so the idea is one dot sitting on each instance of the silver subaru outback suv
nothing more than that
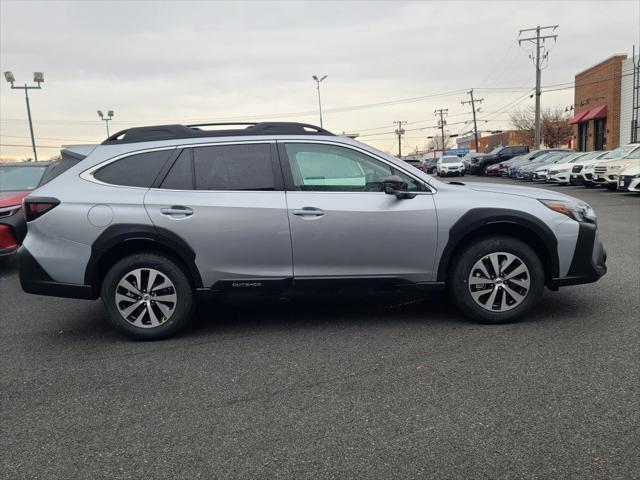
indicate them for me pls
(155, 217)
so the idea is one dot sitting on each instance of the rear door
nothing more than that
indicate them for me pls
(343, 225)
(227, 202)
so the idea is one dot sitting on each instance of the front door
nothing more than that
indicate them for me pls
(228, 204)
(343, 225)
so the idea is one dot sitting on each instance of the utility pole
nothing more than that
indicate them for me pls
(442, 122)
(473, 108)
(400, 132)
(536, 41)
(38, 77)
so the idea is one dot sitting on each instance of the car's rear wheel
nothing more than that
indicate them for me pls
(497, 280)
(148, 296)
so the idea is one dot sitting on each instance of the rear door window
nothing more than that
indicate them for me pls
(234, 167)
(139, 170)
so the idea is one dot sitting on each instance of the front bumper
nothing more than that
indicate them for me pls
(560, 177)
(446, 173)
(629, 183)
(589, 259)
(34, 279)
(539, 177)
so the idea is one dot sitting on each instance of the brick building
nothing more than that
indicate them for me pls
(503, 139)
(597, 106)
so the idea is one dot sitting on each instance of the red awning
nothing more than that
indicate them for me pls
(578, 117)
(597, 112)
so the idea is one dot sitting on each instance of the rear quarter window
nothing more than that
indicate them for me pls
(138, 170)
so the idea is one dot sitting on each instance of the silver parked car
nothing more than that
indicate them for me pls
(156, 216)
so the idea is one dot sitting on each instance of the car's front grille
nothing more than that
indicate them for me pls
(554, 172)
(600, 169)
(576, 169)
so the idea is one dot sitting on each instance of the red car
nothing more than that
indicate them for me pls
(16, 182)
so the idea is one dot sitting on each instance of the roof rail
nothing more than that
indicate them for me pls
(171, 132)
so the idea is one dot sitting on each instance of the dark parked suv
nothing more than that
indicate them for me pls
(478, 165)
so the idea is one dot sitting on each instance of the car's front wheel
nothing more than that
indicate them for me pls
(148, 296)
(497, 280)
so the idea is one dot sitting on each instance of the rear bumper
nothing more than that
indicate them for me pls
(34, 279)
(589, 259)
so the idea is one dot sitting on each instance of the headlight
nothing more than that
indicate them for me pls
(615, 167)
(575, 209)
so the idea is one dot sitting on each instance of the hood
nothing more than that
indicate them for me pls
(12, 198)
(530, 192)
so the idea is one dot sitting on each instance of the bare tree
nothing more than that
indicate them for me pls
(553, 123)
(555, 128)
(435, 143)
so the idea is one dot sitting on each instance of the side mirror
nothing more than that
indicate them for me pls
(394, 185)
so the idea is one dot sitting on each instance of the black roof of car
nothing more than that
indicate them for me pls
(177, 131)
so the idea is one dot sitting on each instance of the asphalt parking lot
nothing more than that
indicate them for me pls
(326, 387)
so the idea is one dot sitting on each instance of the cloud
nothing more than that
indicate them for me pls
(177, 61)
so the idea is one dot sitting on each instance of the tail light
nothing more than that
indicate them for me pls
(35, 207)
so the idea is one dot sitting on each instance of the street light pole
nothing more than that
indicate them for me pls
(106, 118)
(38, 77)
(318, 80)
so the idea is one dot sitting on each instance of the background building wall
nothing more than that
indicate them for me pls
(626, 100)
(600, 85)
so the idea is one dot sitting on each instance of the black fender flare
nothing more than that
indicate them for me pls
(480, 218)
(117, 235)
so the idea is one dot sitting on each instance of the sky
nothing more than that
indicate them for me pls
(194, 62)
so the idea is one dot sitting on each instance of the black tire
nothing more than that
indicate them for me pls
(458, 282)
(184, 306)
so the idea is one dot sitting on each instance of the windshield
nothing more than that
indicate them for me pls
(590, 156)
(556, 157)
(635, 155)
(18, 178)
(495, 150)
(574, 157)
(450, 160)
(619, 152)
(542, 158)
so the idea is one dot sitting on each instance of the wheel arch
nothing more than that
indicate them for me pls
(483, 222)
(119, 241)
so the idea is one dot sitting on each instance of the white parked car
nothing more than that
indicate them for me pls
(450, 165)
(576, 177)
(561, 172)
(629, 179)
(606, 173)
(541, 174)
(588, 172)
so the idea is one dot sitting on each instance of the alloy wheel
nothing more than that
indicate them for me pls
(499, 281)
(146, 298)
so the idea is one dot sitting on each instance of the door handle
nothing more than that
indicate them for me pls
(308, 212)
(177, 210)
